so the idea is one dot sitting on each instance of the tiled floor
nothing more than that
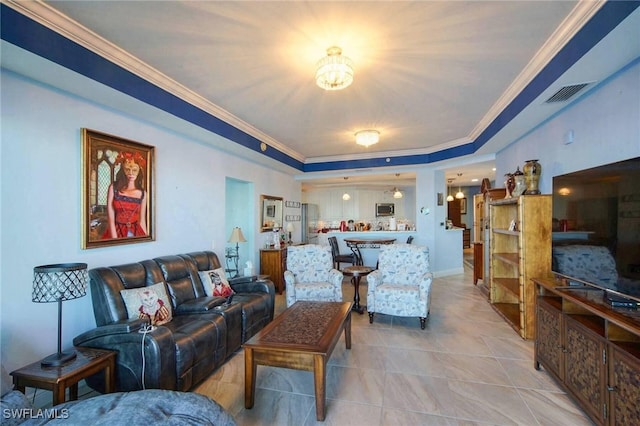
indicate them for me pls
(468, 367)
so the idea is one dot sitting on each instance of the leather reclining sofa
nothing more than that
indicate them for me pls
(203, 333)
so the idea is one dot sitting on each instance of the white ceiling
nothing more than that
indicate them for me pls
(428, 74)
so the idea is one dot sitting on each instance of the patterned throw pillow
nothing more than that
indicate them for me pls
(149, 302)
(215, 283)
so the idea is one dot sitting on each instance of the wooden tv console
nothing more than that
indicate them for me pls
(590, 348)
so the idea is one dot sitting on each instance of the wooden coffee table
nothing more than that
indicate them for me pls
(301, 338)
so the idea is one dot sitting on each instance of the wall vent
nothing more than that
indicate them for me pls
(566, 92)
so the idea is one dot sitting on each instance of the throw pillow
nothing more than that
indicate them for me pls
(149, 302)
(215, 283)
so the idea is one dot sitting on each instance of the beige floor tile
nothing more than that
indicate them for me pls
(467, 368)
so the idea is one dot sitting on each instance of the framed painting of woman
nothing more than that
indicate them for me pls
(117, 190)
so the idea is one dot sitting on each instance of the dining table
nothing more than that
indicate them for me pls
(355, 244)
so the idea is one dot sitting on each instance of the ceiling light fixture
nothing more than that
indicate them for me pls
(367, 137)
(395, 190)
(334, 71)
(459, 194)
(346, 197)
(449, 196)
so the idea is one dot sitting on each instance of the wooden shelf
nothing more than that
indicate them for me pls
(512, 258)
(510, 287)
(511, 284)
(506, 232)
(510, 312)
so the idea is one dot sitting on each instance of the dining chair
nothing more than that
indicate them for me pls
(339, 258)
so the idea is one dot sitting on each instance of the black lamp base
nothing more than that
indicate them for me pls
(57, 359)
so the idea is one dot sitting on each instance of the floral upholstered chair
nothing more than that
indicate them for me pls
(401, 286)
(310, 275)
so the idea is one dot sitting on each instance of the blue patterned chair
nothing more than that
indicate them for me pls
(401, 286)
(593, 264)
(310, 275)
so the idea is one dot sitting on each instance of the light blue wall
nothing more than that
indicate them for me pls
(606, 126)
(41, 205)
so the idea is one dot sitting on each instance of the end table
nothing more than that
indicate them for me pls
(88, 362)
(357, 272)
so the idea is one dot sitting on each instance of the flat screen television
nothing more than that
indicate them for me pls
(596, 224)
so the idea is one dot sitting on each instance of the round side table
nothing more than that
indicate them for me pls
(356, 273)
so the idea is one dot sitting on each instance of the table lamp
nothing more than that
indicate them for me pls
(56, 283)
(290, 229)
(237, 237)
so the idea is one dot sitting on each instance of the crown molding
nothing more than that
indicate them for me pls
(579, 16)
(393, 154)
(52, 19)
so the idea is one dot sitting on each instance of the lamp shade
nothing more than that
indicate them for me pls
(459, 194)
(450, 197)
(53, 283)
(290, 227)
(236, 236)
(334, 71)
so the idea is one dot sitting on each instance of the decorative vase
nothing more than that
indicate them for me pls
(509, 184)
(532, 171)
(520, 183)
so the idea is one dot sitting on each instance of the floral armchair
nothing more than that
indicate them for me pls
(401, 286)
(310, 275)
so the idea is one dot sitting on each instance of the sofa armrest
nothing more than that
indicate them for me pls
(158, 350)
(120, 327)
(266, 287)
(199, 305)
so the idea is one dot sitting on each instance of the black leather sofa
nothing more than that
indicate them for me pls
(203, 333)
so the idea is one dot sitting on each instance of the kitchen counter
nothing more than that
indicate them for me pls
(369, 254)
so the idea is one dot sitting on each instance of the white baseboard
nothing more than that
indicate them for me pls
(447, 272)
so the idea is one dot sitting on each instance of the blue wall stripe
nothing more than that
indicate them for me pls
(36, 38)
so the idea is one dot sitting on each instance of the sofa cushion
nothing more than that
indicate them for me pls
(149, 302)
(215, 283)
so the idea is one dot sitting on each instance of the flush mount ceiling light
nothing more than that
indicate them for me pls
(367, 137)
(334, 71)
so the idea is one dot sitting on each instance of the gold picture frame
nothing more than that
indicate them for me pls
(118, 194)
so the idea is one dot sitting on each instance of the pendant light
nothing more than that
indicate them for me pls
(396, 192)
(459, 194)
(346, 196)
(449, 196)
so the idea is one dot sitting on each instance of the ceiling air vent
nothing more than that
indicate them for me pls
(566, 92)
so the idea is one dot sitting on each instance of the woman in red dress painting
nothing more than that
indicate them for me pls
(126, 200)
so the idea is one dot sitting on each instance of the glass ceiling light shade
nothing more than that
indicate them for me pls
(397, 193)
(334, 71)
(367, 137)
(459, 194)
(449, 197)
(346, 197)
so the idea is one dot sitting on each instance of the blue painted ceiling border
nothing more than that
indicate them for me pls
(25, 33)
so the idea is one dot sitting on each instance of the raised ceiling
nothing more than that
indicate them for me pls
(430, 75)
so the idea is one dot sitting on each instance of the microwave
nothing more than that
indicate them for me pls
(385, 209)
